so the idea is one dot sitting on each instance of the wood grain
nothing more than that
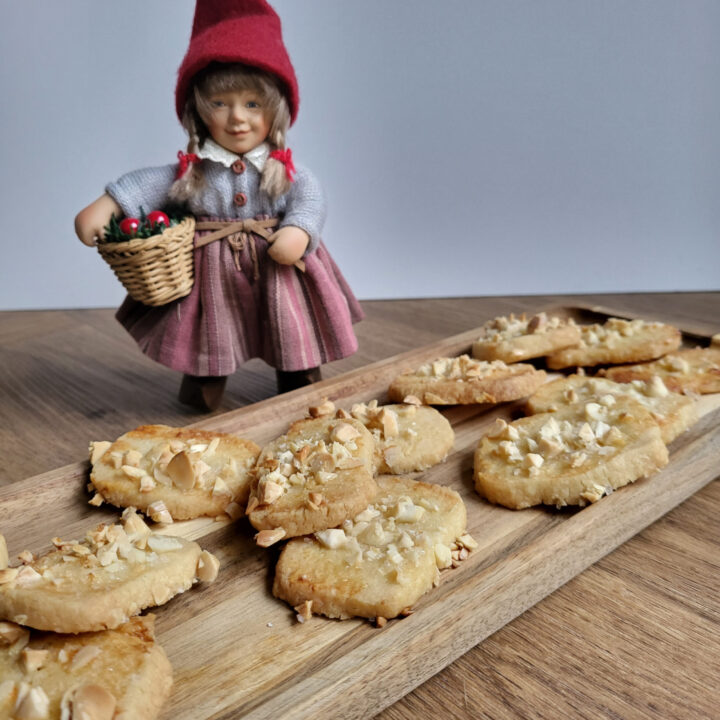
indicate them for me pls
(634, 636)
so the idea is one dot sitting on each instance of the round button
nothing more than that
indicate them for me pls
(238, 166)
(240, 199)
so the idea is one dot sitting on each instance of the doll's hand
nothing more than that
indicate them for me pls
(288, 245)
(89, 223)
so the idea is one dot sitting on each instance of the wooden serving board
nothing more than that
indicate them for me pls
(238, 652)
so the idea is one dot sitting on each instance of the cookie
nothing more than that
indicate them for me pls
(190, 472)
(407, 438)
(511, 339)
(465, 381)
(685, 371)
(379, 563)
(617, 341)
(102, 580)
(315, 476)
(673, 412)
(120, 674)
(572, 456)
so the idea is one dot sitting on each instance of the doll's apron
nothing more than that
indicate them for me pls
(244, 305)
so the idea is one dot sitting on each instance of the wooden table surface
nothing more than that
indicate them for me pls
(634, 636)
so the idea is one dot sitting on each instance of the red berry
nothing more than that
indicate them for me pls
(158, 218)
(130, 226)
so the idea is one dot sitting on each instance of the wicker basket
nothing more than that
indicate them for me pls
(154, 270)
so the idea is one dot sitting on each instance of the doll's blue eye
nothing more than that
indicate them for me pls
(252, 104)
(217, 103)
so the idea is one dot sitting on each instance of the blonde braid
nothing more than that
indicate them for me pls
(192, 182)
(274, 179)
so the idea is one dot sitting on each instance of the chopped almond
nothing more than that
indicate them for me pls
(32, 660)
(91, 702)
(389, 421)
(11, 632)
(98, 449)
(326, 407)
(304, 611)
(271, 492)
(266, 538)
(344, 432)
(96, 500)
(34, 706)
(207, 567)
(159, 513)
(181, 472)
(322, 462)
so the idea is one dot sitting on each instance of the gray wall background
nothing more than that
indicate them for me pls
(466, 147)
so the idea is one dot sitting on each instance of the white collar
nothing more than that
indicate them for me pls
(212, 151)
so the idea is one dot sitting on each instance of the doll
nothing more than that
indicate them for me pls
(268, 289)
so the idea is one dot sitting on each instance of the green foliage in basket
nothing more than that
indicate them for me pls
(145, 226)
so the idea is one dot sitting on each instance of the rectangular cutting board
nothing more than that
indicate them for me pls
(238, 652)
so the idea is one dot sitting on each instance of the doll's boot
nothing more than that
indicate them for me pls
(202, 393)
(288, 380)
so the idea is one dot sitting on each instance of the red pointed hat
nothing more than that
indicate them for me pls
(238, 31)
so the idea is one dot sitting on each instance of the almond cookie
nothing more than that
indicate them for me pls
(120, 674)
(315, 476)
(573, 456)
(511, 339)
(380, 562)
(617, 341)
(101, 581)
(187, 472)
(407, 438)
(686, 371)
(673, 412)
(465, 381)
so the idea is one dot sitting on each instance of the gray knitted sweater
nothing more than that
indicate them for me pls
(303, 206)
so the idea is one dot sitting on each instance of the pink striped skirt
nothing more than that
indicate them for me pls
(290, 319)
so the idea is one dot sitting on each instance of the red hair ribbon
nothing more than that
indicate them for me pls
(185, 161)
(285, 157)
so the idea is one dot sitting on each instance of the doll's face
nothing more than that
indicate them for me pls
(237, 120)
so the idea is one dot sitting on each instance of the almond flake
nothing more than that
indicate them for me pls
(27, 576)
(180, 471)
(326, 407)
(11, 632)
(97, 449)
(207, 567)
(32, 660)
(343, 432)
(163, 543)
(304, 611)
(159, 513)
(271, 492)
(96, 500)
(88, 702)
(266, 538)
(220, 487)
(35, 705)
